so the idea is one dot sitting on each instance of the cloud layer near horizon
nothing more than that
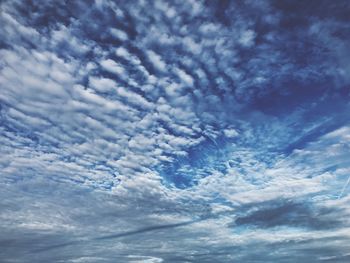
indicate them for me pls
(171, 131)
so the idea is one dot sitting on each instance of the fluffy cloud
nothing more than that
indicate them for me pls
(174, 131)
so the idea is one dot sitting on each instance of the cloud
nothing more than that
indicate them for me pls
(113, 67)
(156, 60)
(289, 214)
(168, 131)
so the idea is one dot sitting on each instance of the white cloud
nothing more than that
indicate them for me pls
(184, 77)
(119, 34)
(86, 156)
(113, 67)
(156, 60)
(247, 38)
(102, 84)
(230, 133)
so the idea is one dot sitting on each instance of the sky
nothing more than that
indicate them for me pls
(174, 131)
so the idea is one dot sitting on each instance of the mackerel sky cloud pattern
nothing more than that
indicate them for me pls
(174, 131)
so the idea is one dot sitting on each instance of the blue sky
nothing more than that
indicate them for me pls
(174, 131)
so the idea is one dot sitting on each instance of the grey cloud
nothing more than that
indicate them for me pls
(292, 214)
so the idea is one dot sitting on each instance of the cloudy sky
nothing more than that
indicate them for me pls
(174, 131)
